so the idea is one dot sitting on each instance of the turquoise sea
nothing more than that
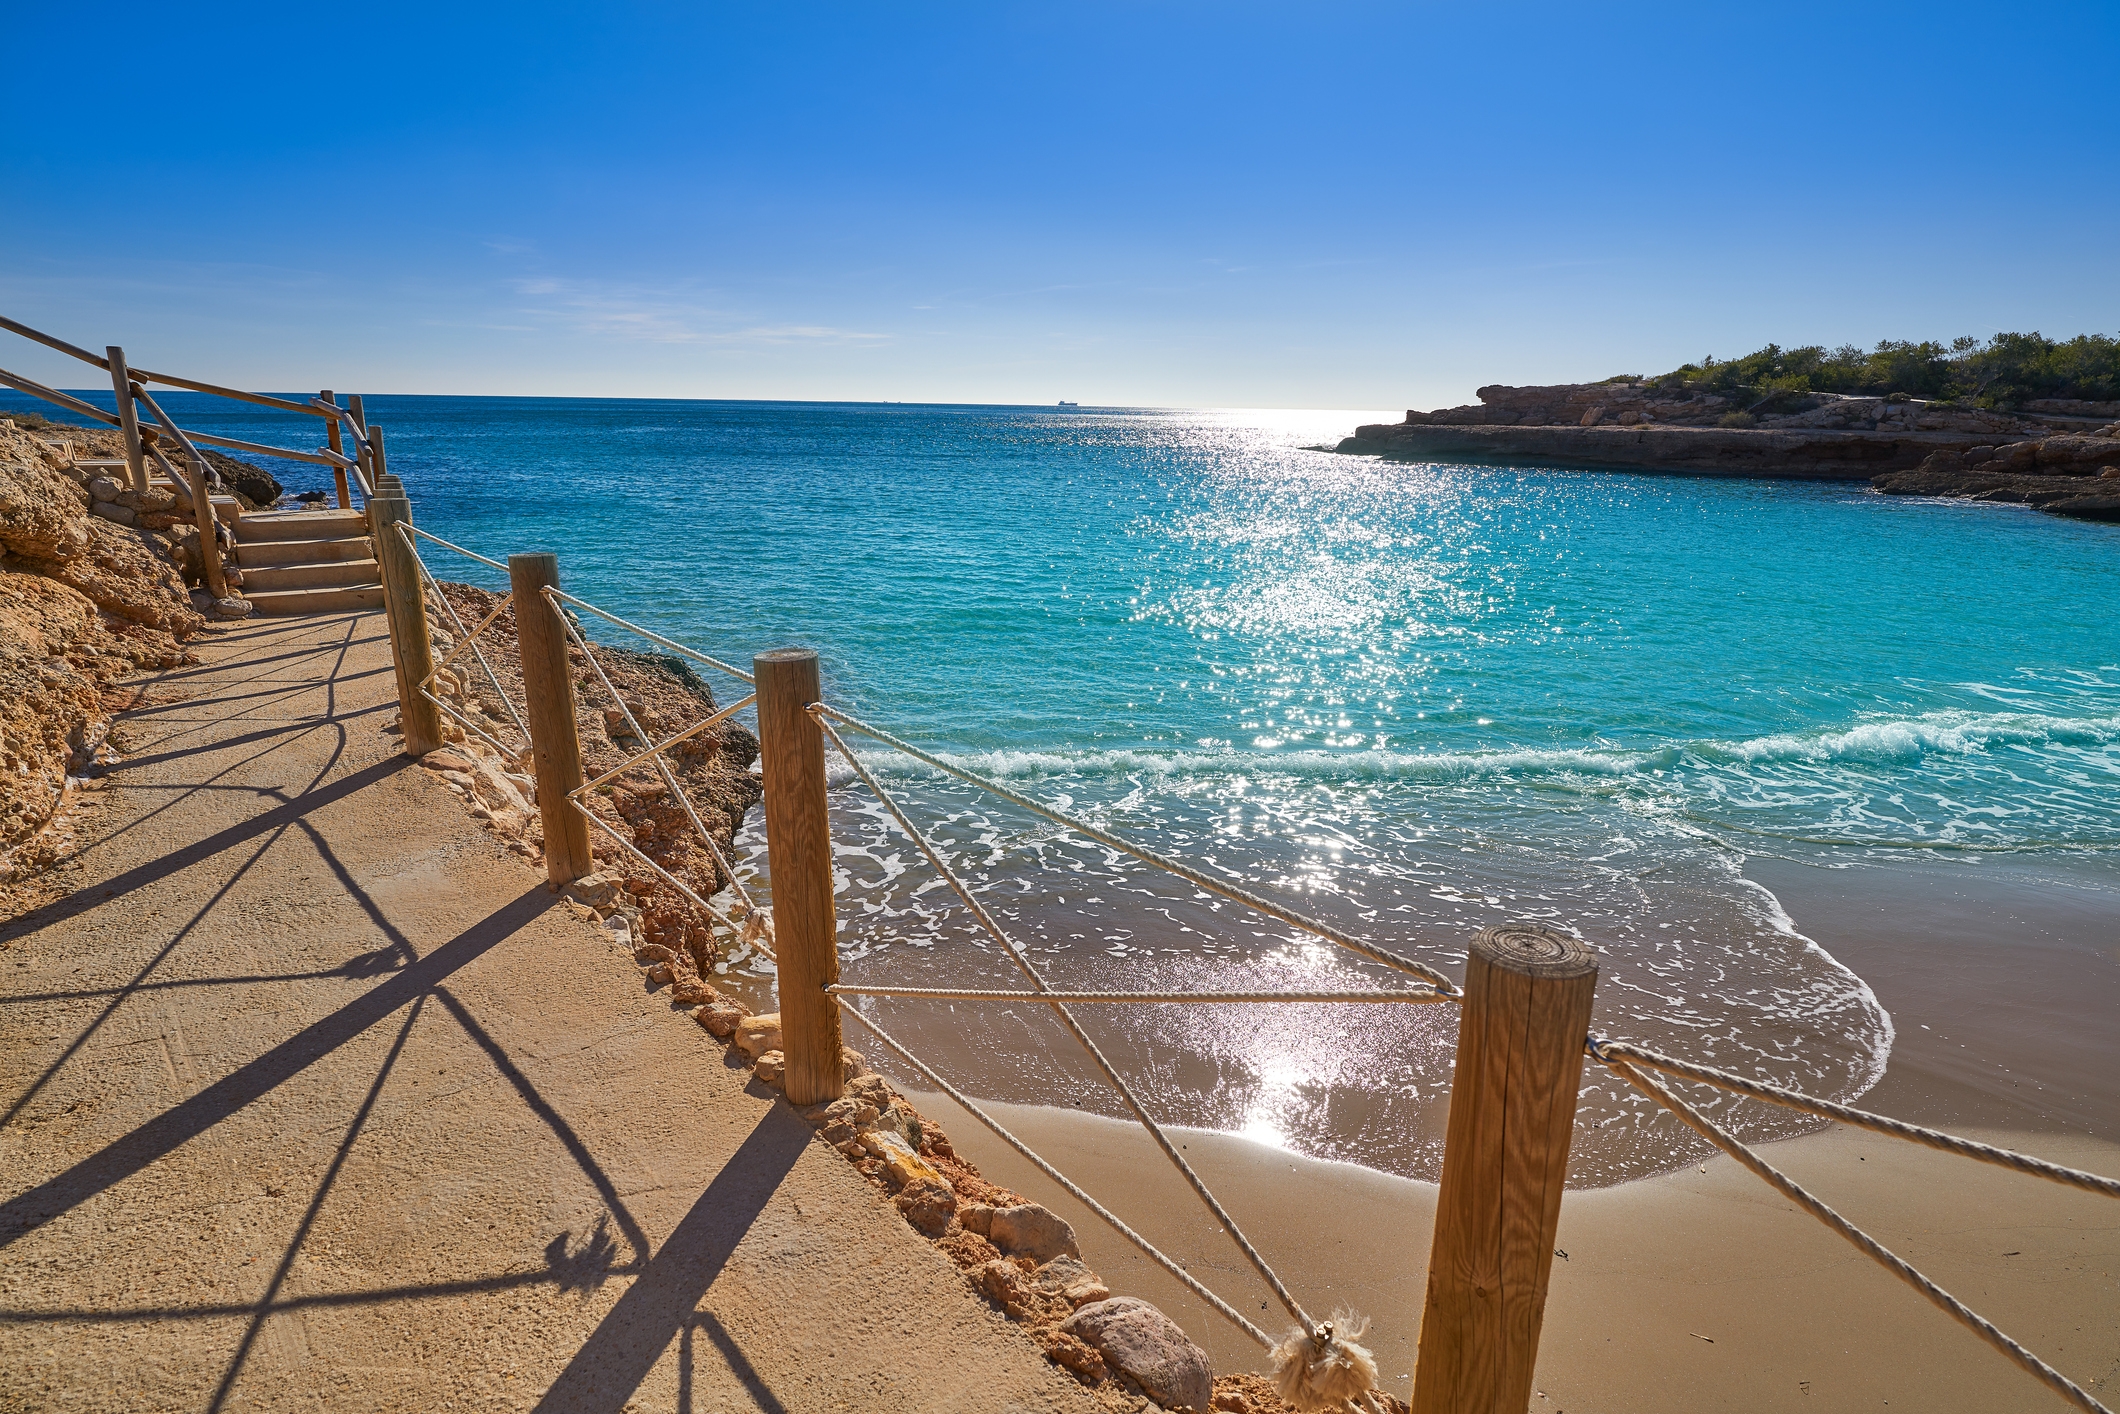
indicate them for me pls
(1422, 698)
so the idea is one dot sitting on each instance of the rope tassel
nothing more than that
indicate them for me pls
(1324, 1370)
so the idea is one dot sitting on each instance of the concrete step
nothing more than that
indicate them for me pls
(303, 552)
(333, 574)
(301, 525)
(314, 601)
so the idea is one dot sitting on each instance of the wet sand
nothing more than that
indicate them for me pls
(1703, 1289)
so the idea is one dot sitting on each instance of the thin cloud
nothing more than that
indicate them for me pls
(636, 314)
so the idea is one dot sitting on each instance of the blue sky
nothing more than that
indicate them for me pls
(1292, 206)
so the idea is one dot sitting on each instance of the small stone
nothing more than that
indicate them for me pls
(832, 1112)
(928, 1204)
(1150, 1348)
(837, 1134)
(720, 1018)
(102, 488)
(231, 608)
(1074, 1355)
(771, 1068)
(755, 1035)
(852, 1149)
(1034, 1231)
(864, 1113)
(975, 1217)
(898, 1158)
(853, 1065)
(1067, 1278)
(599, 891)
(444, 759)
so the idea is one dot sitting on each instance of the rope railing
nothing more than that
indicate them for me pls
(1606, 1051)
(1958, 1311)
(1096, 1054)
(1258, 903)
(1314, 1346)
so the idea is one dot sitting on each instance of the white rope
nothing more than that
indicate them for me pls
(2024, 1359)
(653, 637)
(840, 989)
(1118, 1225)
(452, 545)
(1067, 1018)
(1863, 1119)
(689, 732)
(1186, 872)
(464, 640)
(680, 885)
(662, 764)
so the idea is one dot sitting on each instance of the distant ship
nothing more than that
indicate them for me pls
(1066, 404)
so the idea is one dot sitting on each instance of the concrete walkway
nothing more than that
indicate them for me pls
(316, 1099)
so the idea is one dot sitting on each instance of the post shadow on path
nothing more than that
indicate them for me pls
(662, 1305)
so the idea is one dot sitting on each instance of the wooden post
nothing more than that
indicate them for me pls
(337, 444)
(128, 419)
(1512, 1113)
(548, 694)
(799, 855)
(209, 528)
(405, 609)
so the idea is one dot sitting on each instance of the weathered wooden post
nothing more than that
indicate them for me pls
(799, 855)
(337, 444)
(128, 418)
(548, 696)
(1525, 1017)
(405, 609)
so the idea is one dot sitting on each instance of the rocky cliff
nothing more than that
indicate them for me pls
(1663, 425)
(83, 601)
(2069, 474)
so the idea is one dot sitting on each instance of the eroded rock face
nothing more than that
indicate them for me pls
(128, 574)
(1149, 1346)
(43, 513)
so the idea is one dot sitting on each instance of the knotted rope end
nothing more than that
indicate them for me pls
(1324, 1370)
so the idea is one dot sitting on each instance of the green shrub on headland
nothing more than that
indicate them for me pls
(2006, 371)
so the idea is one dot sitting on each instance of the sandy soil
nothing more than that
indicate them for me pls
(317, 1099)
(1703, 1289)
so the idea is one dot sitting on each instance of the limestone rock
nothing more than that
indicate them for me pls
(1068, 1278)
(600, 891)
(968, 1250)
(720, 1018)
(42, 514)
(1148, 1345)
(103, 488)
(928, 1204)
(1072, 1354)
(1031, 1230)
(899, 1160)
(755, 1035)
(772, 1068)
(976, 1217)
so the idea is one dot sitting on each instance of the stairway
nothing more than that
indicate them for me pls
(307, 562)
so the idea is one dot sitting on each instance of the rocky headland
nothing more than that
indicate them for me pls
(2060, 455)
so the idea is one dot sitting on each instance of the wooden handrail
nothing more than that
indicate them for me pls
(322, 458)
(262, 399)
(60, 344)
(53, 395)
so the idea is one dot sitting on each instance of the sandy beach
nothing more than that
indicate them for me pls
(1702, 1288)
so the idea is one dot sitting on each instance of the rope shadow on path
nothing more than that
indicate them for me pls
(663, 1301)
(126, 1156)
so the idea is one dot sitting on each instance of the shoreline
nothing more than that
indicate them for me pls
(1701, 1287)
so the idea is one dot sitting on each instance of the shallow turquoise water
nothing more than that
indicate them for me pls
(1426, 698)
